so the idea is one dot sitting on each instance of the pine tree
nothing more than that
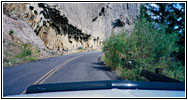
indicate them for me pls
(172, 15)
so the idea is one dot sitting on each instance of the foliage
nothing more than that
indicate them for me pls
(26, 51)
(113, 48)
(131, 74)
(148, 47)
(11, 32)
(30, 58)
(171, 15)
(80, 48)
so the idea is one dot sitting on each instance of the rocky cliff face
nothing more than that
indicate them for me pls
(18, 35)
(67, 26)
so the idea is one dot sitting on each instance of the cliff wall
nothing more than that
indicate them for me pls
(68, 26)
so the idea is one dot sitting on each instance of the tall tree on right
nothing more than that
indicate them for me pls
(172, 15)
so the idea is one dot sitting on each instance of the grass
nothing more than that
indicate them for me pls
(27, 54)
(26, 51)
(11, 32)
(30, 59)
(80, 48)
(125, 73)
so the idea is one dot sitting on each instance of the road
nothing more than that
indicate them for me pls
(85, 66)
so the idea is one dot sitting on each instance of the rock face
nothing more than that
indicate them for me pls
(67, 26)
(21, 31)
(22, 34)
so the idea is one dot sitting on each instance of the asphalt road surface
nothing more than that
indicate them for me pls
(78, 67)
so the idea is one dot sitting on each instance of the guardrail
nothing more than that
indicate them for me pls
(156, 77)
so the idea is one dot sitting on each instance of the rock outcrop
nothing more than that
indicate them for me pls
(67, 26)
(21, 31)
(22, 34)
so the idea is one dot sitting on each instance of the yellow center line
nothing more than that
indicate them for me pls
(57, 69)
(24, 92)
(43, 76)
(51, 72)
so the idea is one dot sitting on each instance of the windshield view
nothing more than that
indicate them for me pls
(95, 49)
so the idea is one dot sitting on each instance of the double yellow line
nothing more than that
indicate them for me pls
(51, 72)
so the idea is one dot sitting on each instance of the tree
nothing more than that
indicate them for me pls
(172, 15)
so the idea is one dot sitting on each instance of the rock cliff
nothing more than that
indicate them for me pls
(68, 26)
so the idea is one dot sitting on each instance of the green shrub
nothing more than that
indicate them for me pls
(80, 48)
(11, 32)
(113, 49)
(26, 51)
(31, 59)
(147, 46)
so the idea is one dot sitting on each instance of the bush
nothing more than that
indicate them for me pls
(11, 32)
(80, 48)
(26, 51)
(147, 46)
(113, 47)
(30, 59)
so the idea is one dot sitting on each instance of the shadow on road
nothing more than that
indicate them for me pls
(101, 66)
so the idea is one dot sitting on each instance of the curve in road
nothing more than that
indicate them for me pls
(77, 67)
